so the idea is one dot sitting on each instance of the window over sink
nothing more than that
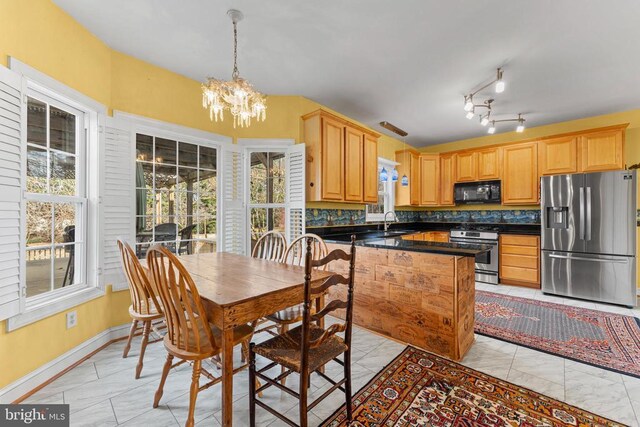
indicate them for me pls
(386, 194)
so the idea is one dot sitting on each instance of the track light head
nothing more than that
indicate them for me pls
(468, 103)
(520, 127)
(485, 120)
(492, 128)
(470, 114)
(499, 82)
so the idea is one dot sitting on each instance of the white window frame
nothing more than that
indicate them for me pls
(261, 145)
(50, 303)
(174, 132)
(388, 193)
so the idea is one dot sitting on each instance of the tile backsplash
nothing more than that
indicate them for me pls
(331, 217)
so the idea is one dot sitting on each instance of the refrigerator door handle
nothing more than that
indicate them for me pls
(577, 258)
(581, 225)
(588, 215)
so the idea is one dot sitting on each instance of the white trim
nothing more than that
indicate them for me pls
(171, 130)
(270, 143)
(24, 385)
(55, 303)
(48, 85)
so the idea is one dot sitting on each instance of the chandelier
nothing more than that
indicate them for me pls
(236, 95)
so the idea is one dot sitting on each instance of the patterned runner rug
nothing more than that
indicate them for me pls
(606, 340)
(422, 389)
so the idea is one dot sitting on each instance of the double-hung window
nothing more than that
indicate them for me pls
(55, 196)
(267, 193)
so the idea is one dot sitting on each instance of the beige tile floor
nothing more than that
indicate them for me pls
(102, 390)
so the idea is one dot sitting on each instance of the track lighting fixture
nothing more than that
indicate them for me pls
(519, 127)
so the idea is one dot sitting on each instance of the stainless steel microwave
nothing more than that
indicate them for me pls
(482, 192)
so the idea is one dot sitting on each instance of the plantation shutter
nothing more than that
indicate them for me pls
(117, 189)
(12, 163)
(295, 212)
(232, 207)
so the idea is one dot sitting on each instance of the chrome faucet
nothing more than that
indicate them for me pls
(395, 218)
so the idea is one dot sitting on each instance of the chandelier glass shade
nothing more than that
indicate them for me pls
(236, 95)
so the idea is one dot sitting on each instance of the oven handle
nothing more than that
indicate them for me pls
(476, 241)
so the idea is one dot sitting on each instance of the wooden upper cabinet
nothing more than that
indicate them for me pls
(489, 164)
(429, 179)
(520, 182)
(354, 166)
(602, 151)
(370, 169)
(409, 165)
(332, 152)
(466, 166)
(331, 144)
(558, 155)
(446, 180)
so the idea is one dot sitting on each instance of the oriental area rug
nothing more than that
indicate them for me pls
(421, 389)
(606, 340)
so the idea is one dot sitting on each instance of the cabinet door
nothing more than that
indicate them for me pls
(332, 159)
(602, 151)
(429, 179)
(558, 155)
(414, 179)
(466, 166)
(370, 169)
(354, 168)
(489, 164)
(520, 182)
(446, 180)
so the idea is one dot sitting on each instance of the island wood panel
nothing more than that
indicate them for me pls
(426, 300)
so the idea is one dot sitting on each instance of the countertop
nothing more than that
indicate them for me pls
(397, 243)
(530, 229)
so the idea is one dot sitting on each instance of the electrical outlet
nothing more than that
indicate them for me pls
(72, 319)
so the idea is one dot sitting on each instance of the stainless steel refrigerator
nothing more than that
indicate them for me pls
(589, 236)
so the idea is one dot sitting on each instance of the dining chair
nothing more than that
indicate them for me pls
(186, 245)
(190, 337)
(307, 348)
(270, 246)
(145, 306)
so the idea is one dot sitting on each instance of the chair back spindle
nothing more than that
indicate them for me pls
(270, 246)
(187, 325)
(144, 297)
(296, 251)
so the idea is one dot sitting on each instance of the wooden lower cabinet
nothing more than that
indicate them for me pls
(520, 260)
(426, 300)
(429, 236)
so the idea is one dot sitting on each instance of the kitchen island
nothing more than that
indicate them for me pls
(422, 293)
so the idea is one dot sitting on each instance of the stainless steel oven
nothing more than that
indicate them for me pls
(487, 262)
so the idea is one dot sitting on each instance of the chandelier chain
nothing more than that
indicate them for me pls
(235, 73)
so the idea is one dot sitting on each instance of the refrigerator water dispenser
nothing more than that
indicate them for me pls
(557, 217)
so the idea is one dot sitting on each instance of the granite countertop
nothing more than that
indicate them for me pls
(458, 249)
(503, 228)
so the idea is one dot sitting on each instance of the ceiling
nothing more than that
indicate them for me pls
(373, 60)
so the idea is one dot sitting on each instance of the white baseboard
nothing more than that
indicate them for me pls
(33, 379)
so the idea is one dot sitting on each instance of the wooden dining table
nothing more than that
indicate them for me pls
(236, 290)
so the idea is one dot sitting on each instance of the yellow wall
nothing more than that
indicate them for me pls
(43, 36)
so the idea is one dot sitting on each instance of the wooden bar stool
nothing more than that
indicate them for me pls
(145, 306)
(190, 336)
(308, 347)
